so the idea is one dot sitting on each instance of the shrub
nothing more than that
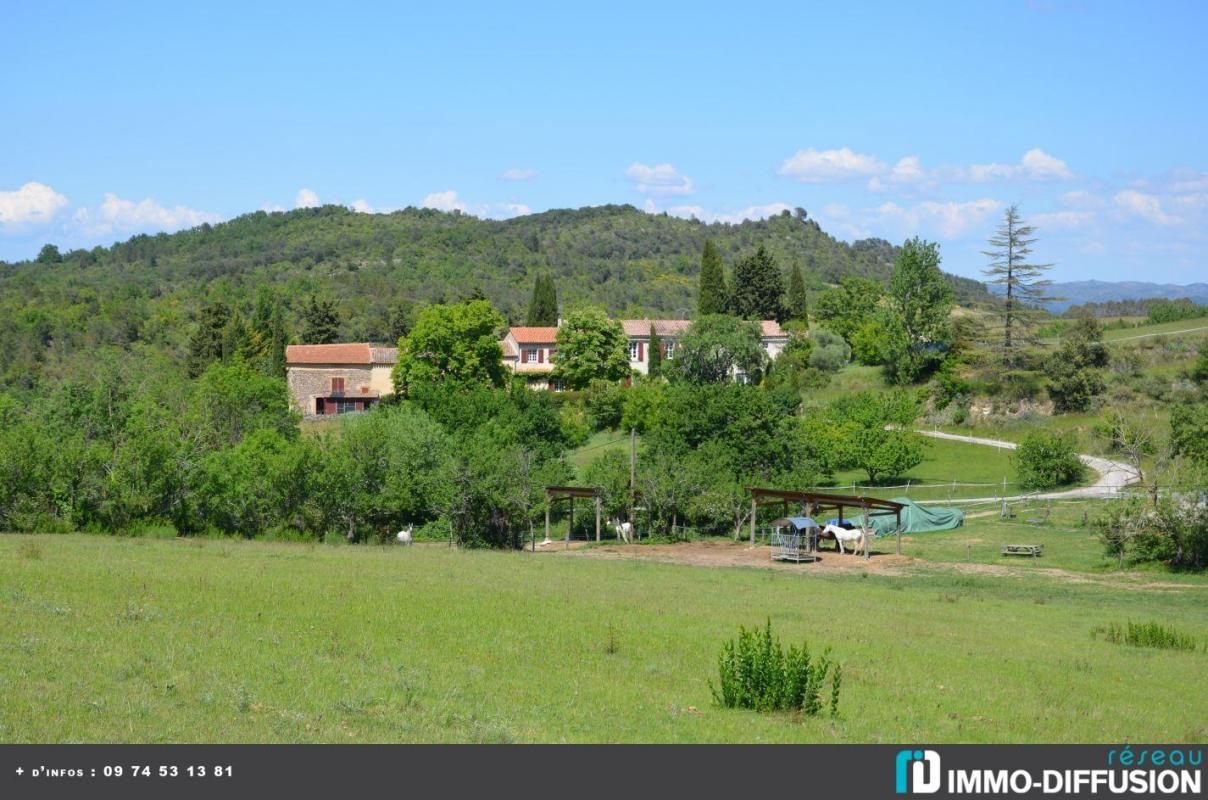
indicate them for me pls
(830, 353)
(1046, 460)
(1147, 634)
(756, 672)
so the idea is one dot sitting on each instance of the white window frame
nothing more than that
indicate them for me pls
(633, 350)
(532, 355)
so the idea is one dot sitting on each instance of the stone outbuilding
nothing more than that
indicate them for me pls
(327, 379)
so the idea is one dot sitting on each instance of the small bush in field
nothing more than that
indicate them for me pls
(756, 672)
(1147, 634)
(1046, 460)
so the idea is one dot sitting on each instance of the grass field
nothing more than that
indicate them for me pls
(140, 640)
(1183, 326)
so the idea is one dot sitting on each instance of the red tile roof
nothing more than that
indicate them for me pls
(526, 335)
(674, 327)
(664, 327)
(350, 353)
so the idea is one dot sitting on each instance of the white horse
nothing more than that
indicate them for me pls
(404, 536)
(624, 530)
(855, 537)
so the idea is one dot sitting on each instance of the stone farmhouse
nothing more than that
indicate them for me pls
(326, 379)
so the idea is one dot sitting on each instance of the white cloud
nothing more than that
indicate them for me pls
(1035, 165)
(1039, 165)
(1146, 206)
(361, 206)
(33, 203)
(908, 171)
(950, 218)
(519, 174)
(444, 201)
(659, 180)
(115, 215)
(1080, 198)
(517, 209)
(1063, 219)
(822, 166)
(306, 198)
(1189, 180)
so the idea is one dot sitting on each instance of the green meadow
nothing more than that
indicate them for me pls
(107, 639)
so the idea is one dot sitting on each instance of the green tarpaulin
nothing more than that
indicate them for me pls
(915, 518)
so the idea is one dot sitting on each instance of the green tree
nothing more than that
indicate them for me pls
(845, 308)
(269, 334)
(716, 345)
(590, 346)
(206, 343)
(1189, 431)
(230, 401)
(757, 288)
(456, 343)
(870, 431)
(1046, 460)
(920, 299)
(320, 321)
(400, 318)
(49, 254)
(1074, 372)
(654, 364)
(1023, 287)
(713, 297)
(543, 307)
(798, 303)
(830, 353)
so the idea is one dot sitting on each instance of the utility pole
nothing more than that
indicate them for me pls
(633, 472)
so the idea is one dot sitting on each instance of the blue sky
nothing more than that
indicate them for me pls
(881, 119)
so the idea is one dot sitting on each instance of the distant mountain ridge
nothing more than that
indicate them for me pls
(1075, 293)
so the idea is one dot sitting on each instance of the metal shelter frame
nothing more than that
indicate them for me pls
(814, 502)
(555, 494)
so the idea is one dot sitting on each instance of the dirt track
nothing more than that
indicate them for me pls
(883, 562)
(741, 554)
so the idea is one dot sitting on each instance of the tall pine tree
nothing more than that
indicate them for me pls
(758, 291)
(713, 295)
(543, 308)
(1022, 284)
(320, 321)
(798, 305)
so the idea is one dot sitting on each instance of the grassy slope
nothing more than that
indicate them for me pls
(1186, 325)
(142, 640)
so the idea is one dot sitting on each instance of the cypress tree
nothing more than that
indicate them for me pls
(543, 308)
(654, 362)
(320, 320)
(712, 282)
(269, 335)
(798, 305)
(758, 291)
(205, 346)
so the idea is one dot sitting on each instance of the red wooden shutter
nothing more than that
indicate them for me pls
(524, 355)
(641, 351)
(540, 355)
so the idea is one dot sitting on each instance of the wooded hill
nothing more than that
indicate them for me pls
(150, 288)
